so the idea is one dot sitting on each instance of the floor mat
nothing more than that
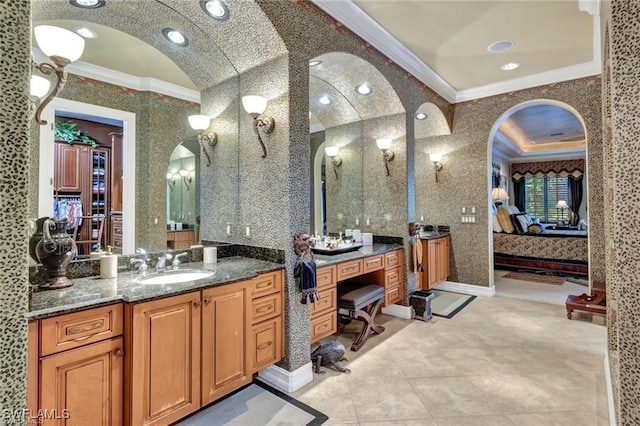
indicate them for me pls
(537, 278)
(447, 303)
(256, 405)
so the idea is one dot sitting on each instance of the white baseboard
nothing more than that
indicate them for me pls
(404, 312)
(474, 290)
(288, 381)
(609, 385)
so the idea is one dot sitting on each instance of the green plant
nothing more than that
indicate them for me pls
(67, 131)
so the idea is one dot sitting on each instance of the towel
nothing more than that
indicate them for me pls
(305, 276)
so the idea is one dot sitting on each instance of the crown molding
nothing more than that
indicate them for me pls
(367, 28)
(373, 33)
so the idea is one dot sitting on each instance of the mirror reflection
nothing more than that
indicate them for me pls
(183, 189)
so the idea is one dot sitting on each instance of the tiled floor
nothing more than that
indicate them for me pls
(500, 361)
(539, 292)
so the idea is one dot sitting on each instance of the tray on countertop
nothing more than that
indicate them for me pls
(340, 250)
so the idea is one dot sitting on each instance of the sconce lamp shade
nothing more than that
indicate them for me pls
(499, 194)
(60, 42)
(199, 122)
(435, 158)
(184, 173)
(169, 175)
(39, 86)
(383, 143)
(254, 104)
(331, 151)
(562, 204)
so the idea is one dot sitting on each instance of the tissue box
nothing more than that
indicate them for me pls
(367, 238)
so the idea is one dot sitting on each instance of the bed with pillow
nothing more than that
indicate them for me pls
(519, 241)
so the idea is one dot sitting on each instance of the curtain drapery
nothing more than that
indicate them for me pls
(519, 194)
(575, 194)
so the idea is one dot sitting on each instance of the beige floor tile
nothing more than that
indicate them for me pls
(564, 418)
(511, 394)
(412, 422)
(391, 399)
(331, 397)
(475, 421)
(452, 396)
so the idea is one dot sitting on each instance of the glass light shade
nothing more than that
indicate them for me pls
(169, 175)
(499, 194)
(254, 104)
(562, 204)
(383, 143)
(39, 86)
(184, 173)
(331, 151)
(199, 122)
(435, 157)
(56, 41)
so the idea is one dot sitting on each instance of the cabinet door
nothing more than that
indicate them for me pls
(84, 386)
(32, 367)
(443, 259)
(70, 166)
(265, 344)
(224, 327)
(165, 364)
(432, 263)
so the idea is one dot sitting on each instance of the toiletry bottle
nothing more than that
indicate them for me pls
(108, 264)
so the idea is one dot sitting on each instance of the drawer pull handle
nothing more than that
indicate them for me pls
(85, 327)
(197, 304)
(322, 327)
(264, 309)
(207, 300)
(119, 353)
(264, 346)
(263, 285)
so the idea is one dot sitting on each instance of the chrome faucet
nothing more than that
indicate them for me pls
(176, 260)
(141, 263)
(162, 262)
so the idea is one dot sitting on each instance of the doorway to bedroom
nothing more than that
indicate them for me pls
(538, 235)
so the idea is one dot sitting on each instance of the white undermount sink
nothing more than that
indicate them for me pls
(176, 277)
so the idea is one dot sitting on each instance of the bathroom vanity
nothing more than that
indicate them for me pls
(435, 261)
(114, 351)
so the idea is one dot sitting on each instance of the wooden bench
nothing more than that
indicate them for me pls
(362, 301)
(596, 304)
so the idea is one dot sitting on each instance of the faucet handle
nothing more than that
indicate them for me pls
(176, 260)
(142, 264)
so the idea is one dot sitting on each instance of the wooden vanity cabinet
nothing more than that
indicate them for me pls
(324, 315)
(180, 240)
(265, 336)
(435, 261)
(81, 366)
(393, 277)
(163, 366)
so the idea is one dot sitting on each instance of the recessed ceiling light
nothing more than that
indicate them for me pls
(421, 115)
(175, 37)
(216, 9)
(510, 66)
(533, 142)
(364, 89)
(324, 100)
(315, 62)
(86, 32)
(87, 4)
(500, 46)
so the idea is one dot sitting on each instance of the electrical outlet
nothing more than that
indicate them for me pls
(421, 218)
(357, 221)
(155, 220)
(368, 221)
(464, 210)
(247, 232)
(473, 210)
(228, 230)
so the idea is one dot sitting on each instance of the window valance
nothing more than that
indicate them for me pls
(565, 168)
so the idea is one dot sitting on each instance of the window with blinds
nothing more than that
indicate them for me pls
(542, 195)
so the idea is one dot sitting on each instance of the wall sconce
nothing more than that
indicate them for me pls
(255, 106)
(184, 173)
(384, 145)
(435, 158)
(170, 180)
(332, 152)
(62, 47)
(201, 122)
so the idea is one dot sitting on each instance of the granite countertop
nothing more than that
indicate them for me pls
(94, 291)
(364, 251)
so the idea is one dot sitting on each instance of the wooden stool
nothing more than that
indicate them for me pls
(362, 303)
(596, 303)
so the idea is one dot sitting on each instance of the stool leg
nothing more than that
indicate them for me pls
(369, 324)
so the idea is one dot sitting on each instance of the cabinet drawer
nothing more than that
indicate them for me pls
(266, 284)
(393, 259)
(393, 277)
(325, 277)
(171, 236)
(70, 331)
(327, 301)
(178, 245)
(266, 307)
(349, 269)
(324, 325)
(392, 295)
(265, 344)
(184, 236)
(373, 263)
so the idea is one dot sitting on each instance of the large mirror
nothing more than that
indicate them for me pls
(133, 75)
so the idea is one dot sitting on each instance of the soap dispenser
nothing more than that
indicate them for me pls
(108, 264)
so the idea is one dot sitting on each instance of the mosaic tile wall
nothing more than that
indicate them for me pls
(14, 157)
(464, 178)
(622, 70)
